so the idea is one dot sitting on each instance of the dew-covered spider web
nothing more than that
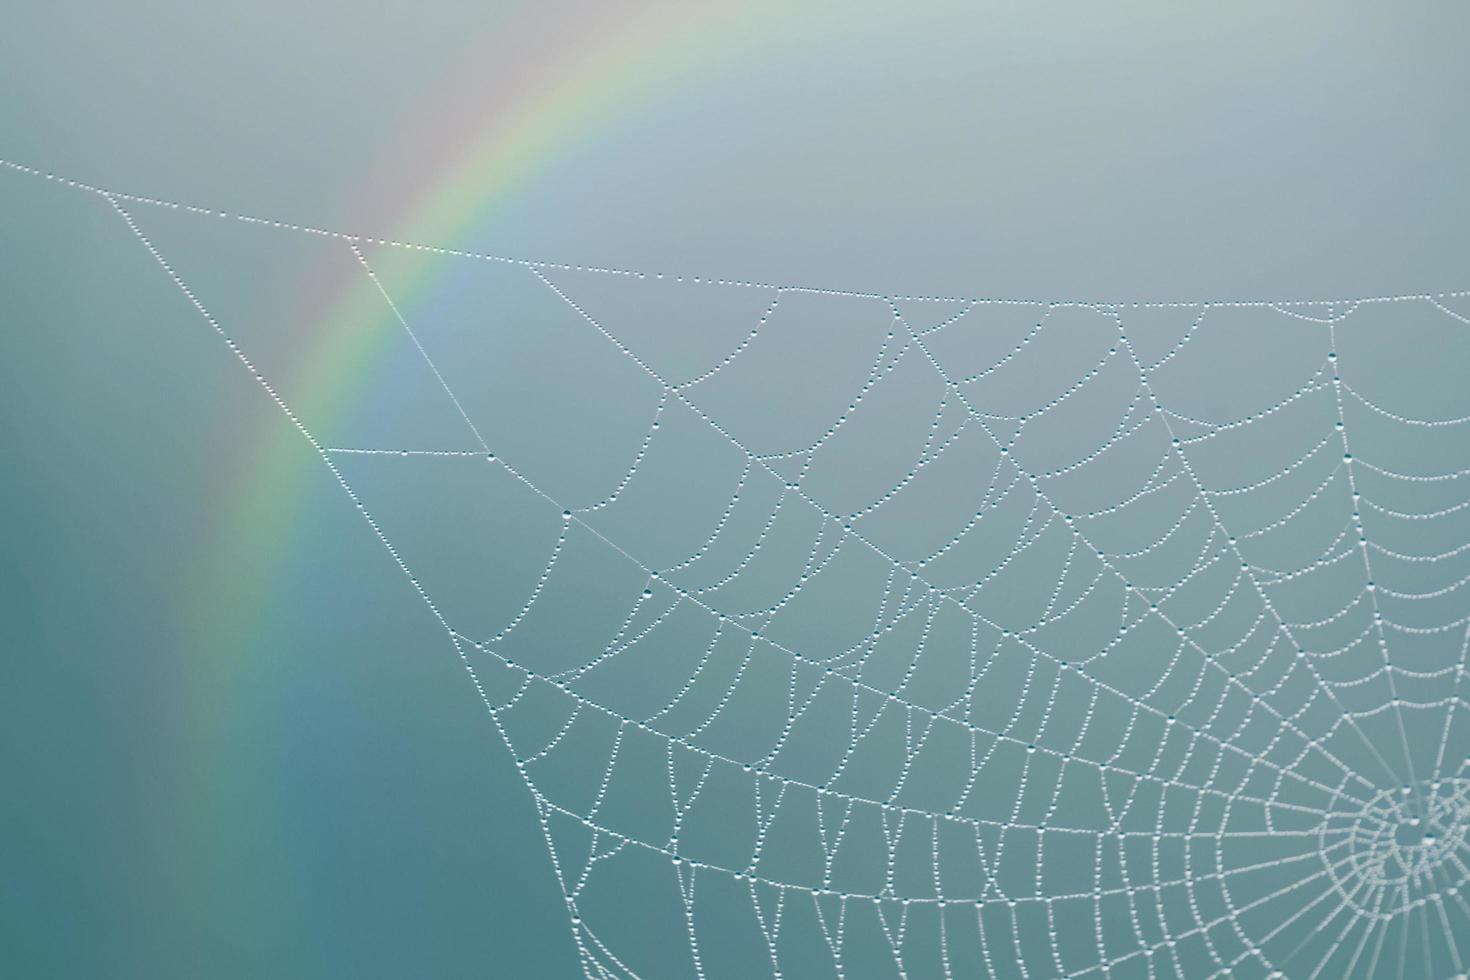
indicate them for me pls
(840, 634)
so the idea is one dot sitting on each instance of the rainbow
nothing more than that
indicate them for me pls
(562, 85)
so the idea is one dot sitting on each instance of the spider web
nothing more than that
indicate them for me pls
(836, 633)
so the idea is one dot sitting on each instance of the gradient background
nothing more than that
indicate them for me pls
(285, 773)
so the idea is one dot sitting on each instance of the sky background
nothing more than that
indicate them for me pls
(234, 741)
(1143, 151)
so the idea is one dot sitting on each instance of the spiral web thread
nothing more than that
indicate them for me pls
(845, 634)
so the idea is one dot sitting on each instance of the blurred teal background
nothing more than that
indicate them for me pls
(236, 743)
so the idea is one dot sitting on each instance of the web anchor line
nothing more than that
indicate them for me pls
(365, 239)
